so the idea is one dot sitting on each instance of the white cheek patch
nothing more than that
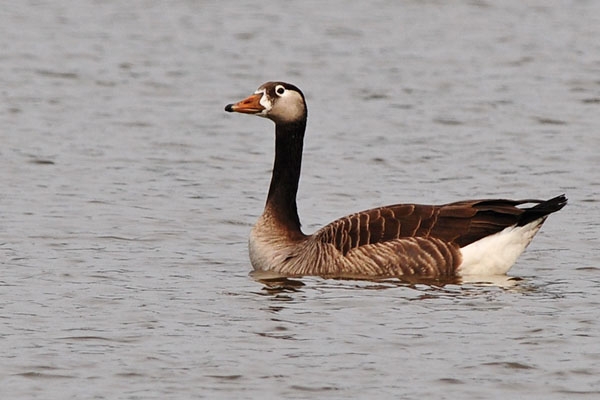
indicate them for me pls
(264, 101)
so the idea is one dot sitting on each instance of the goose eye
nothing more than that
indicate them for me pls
(279, 90)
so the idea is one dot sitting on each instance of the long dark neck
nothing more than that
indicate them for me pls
(281, 200)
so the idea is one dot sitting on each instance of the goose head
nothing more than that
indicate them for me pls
(281, 102)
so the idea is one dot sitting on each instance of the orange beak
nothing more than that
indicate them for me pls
(250, 105)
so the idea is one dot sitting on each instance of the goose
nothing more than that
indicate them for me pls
(472, 237)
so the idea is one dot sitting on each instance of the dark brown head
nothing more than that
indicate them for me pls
(281, 102)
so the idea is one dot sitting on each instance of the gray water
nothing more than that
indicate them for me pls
(128, 194)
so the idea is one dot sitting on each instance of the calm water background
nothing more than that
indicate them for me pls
(127, 196)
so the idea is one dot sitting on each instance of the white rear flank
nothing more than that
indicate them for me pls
(496, 254)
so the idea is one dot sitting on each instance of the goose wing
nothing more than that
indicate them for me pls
(459, 223)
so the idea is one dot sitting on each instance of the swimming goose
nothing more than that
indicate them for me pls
(473, 237)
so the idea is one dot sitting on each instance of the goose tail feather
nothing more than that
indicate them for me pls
(542, 209)
(496, 254)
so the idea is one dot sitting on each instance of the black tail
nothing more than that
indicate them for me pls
(542, 209)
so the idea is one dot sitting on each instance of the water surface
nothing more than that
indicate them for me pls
(128, 195)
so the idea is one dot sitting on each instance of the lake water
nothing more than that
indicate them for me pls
(128, 195)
